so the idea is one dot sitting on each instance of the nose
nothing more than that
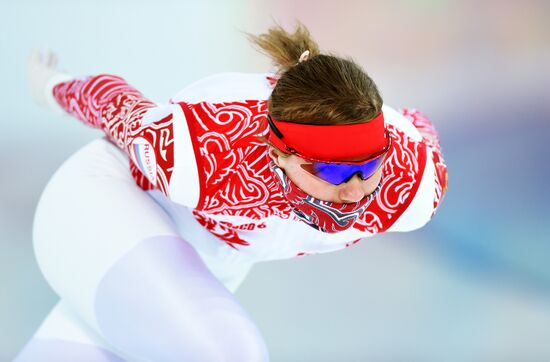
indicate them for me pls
(352, 191)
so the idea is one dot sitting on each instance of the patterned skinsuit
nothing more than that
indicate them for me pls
(198, 186)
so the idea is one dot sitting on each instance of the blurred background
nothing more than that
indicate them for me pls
(472, 285)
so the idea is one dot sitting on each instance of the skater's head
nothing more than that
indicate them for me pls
(315, 89)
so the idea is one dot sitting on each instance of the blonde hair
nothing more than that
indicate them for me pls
(324, 89)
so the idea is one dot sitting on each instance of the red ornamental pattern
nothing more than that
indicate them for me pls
(87, 97)
(441, 179)
(224, 230)
(233, 164)
(350, 243)
(303, 253)
(235, 179)
(429, 133)
(402, 173)
(109, 103)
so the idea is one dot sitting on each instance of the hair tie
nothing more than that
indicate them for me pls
(304, 56)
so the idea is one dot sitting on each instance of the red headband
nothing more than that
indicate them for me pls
(330, 142)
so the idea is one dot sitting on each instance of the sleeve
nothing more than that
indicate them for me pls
(138, 126)
(431, 138)
(433, 184)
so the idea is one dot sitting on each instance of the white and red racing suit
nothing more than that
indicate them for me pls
(200, 152)
(150, 278)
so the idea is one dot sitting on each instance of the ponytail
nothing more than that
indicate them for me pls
(285, 48)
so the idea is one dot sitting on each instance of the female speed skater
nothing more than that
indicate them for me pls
(146, 233)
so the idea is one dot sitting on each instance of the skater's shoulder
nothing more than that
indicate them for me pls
(397, 120)
(226, 87)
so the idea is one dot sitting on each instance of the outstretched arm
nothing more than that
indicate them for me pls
(129, 120)
(433, 183)
(103, 101)
(135, 124)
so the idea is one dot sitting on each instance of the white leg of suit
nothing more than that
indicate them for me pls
(113, 255)
(62, 336)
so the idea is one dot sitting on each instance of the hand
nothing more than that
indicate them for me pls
(41, 69)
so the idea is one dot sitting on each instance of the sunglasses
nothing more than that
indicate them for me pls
(338, 172)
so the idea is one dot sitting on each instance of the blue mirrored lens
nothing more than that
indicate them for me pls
(337, 173)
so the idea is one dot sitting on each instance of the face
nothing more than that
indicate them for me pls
(352, 191)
